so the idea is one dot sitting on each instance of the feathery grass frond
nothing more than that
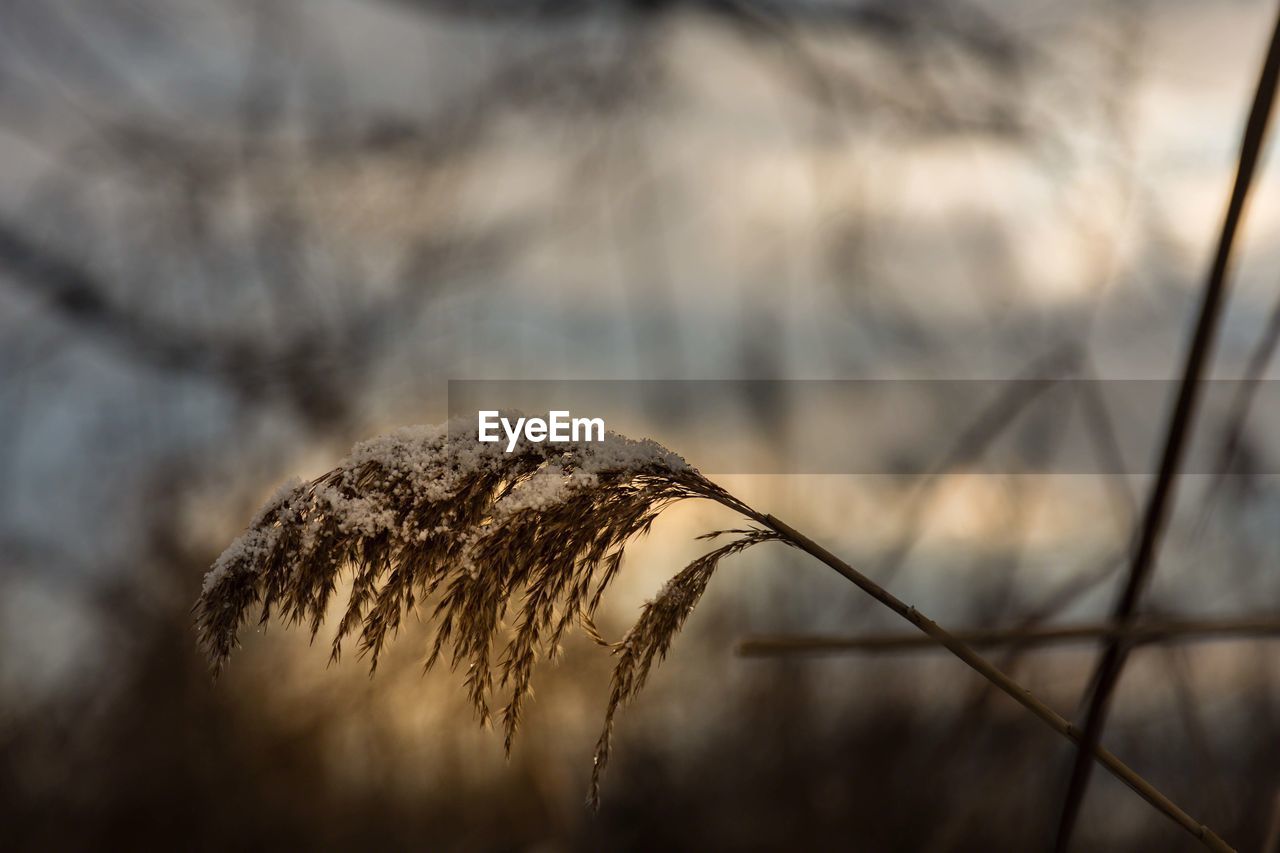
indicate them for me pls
(535, 535)
(650, 638)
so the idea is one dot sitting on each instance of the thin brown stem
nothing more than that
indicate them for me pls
(1007, 685)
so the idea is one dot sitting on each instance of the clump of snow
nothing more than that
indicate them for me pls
(248, 550)
(257, 542)
(547, 487)
(617, 453)
(279, 499)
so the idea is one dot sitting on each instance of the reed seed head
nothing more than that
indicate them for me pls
(506, 549)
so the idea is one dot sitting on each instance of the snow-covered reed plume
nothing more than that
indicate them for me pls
(502, 546)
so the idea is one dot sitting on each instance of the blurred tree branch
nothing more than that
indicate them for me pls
(1022, 637)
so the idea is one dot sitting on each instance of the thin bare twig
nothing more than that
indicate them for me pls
(974, 440)
(1018, 637)
(1160, 503)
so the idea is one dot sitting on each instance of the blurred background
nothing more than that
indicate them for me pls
(237, 236)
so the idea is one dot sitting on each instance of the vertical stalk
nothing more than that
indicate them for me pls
(1160, 502)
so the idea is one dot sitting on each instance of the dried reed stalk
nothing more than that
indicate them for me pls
(535, 536)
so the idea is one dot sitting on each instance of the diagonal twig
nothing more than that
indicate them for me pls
(992, 420)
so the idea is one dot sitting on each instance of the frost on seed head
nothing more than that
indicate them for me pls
(511, 549)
